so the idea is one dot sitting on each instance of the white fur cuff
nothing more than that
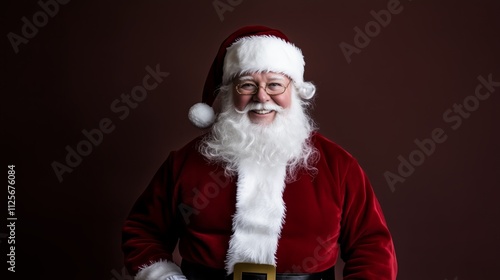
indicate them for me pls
(158, 270)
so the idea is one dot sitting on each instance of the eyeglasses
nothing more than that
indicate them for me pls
(251, 88)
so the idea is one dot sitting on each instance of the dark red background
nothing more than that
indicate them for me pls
(444, 217)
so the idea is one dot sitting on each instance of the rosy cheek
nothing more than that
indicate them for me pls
(241, 101)
(283, 101)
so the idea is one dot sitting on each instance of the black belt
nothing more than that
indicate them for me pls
(194, 271)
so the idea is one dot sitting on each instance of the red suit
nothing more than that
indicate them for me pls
(334, 210)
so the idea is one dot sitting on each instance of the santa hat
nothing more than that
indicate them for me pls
(248, 50)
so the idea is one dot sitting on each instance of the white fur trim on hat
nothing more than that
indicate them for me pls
(263, 54)
(201, 115)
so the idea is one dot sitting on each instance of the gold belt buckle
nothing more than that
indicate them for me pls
(251, 268)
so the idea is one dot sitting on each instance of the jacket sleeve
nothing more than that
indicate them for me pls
(366, 243)
(149, 233)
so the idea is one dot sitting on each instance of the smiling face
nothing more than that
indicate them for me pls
(263, 107)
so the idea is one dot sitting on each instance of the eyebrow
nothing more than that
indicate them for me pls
(250, 78)
(245, 78)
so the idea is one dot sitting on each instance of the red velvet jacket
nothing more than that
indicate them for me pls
(193, 202)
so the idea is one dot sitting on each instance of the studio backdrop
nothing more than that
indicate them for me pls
(96, 94)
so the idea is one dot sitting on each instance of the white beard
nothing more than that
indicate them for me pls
(263, 157)
(235, 138)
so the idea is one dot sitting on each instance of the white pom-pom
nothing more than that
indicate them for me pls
(306, 90)
(201, 115)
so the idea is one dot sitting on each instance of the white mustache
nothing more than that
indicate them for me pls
(260, 106)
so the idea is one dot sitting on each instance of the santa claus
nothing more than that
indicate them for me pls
(262, 194)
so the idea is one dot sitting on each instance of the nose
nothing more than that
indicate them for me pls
(261, 96)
